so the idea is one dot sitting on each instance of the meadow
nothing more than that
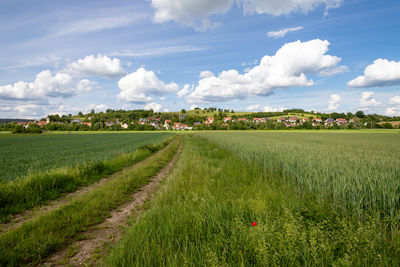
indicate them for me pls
(26, 154)
(273, 198)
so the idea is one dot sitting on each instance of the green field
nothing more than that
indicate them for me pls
(317, 198)
(233, 198)
(24, 154)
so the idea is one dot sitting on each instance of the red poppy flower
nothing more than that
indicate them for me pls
(253, 224)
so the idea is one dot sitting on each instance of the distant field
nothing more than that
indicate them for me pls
(23, 154)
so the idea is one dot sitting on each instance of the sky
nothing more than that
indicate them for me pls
(61, 57)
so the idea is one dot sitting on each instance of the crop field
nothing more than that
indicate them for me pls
(229, 198)
(21, 155)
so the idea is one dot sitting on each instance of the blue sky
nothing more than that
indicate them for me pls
(326, 55)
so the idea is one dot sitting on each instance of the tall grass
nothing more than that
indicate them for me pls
(19, 195)
(359, 173)
(203, 217)
(21, 155)
(36, 239)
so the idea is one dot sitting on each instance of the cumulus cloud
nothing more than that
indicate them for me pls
(154, 106)
(368, 101)
(333, 103)
(258, 108)
(137, 87)
(381, 73)
(394, 108)
(196, 13)
(46, 84)
(289, 67)
(192, 107)
(283, 32)
(91, 65)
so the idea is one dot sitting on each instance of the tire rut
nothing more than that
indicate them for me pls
(29, 215)
(88, 251)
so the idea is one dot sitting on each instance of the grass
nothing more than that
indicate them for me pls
(21, 155)
(203, 215)
(36, 239)
(38, 188)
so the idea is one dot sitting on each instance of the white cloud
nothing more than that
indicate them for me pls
(395, 100)
(394, 109)
(45, 85)
(368, 101)
(159, 51)
(190, 12)
(381, 73)
(258, 108)
(289, 67)
(163, 98)
(195, 13)
(166, 110)
(137, 87)
(185, 91)
(96, 66)
(206, 74)
(333, 103)
(283, 32)
(192, 107)
(154, 106)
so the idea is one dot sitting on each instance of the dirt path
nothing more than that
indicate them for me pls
(28, 215)
(87, 252)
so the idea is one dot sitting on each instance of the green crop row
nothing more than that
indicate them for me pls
(359, 173)
(19, 195)
(21, 155)
(36, 239)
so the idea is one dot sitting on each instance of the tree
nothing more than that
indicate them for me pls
(92, 111)
(183, 110)
(360, 114)
(80, 113)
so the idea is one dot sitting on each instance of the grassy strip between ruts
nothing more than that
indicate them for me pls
(217, 210)
(38, 238)
(37, 189)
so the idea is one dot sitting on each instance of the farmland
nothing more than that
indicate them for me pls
(247, 198)
(20, 155)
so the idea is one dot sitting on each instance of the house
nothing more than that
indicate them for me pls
(207, 123)
(124, 126)
(304, 119)
(88, 124)
(226, 119)
(318, 120)
(42, 123)
(210, 119)
(264, 119)
(329, 122)
(293, 119)
(281, 119)
(256, 120)
(177, 126)
(168, 122)
(242, 119)
(76, 121)
(91, 117)
(341, 121)
(197, 123)
(154, 124)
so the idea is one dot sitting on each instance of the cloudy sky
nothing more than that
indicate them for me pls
(324, 55)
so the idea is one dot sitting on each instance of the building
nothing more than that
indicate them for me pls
(256, 120)
(293, 119)
(341, 121)
(226, 119)
(281, 119)
(210, 119)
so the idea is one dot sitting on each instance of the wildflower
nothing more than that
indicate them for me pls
(253, 224)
